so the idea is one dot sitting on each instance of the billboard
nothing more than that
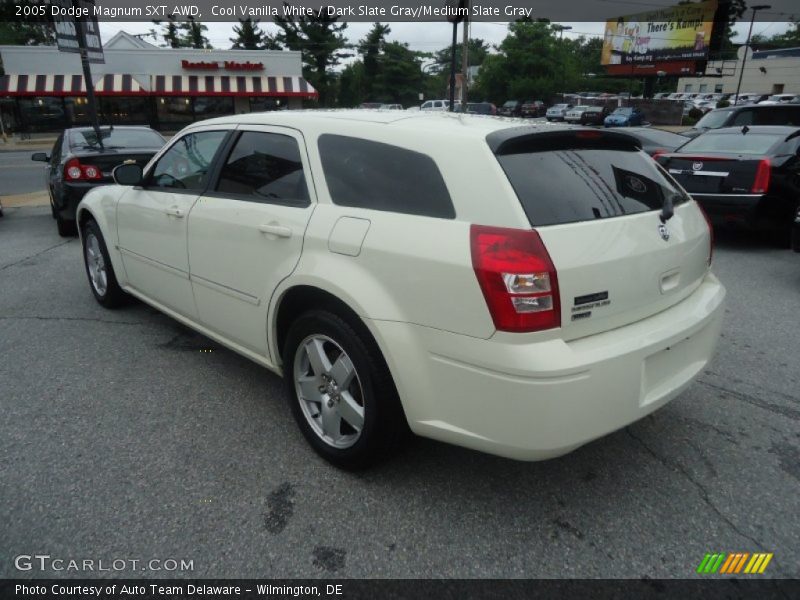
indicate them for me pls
(677, 33)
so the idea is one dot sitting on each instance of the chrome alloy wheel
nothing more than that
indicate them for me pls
(96, 265)
(329, 391)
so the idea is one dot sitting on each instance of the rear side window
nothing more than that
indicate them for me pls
(780, 115)
(378, 176)
(572, 185)
(266, 167)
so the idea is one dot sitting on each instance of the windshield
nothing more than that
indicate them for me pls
(623, 111)
(713, 120)
(559, 105)
(750, 143)
(510, 103)
(117, 138)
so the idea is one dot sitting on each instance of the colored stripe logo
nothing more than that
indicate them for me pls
(734, 563)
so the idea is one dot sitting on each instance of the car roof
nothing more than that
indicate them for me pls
(108, 127)
(433, 123)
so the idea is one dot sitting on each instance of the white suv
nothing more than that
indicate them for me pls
(515, 289)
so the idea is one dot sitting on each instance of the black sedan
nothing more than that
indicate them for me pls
(656, 141)
(80, 162)
(594, 115)
(742, 175)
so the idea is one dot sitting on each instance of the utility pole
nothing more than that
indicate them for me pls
(747, 46)
(80, 29)
(453, 67)
(561, 29)
(465, 61)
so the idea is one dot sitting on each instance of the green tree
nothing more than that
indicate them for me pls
(352, 85)
(399, 77)
(194, 34)
(170, 33)
(478, 51)
(249, 35)
(370, 49)
(788, 39)
(320, 40)
(531, 63)
(32, 31)
(721, 45)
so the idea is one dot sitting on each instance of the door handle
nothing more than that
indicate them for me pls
(276, 230)
(174, 211)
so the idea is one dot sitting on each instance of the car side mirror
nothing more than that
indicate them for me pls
(128, 174)
(40, 157)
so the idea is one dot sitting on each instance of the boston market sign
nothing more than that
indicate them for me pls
(228, 65)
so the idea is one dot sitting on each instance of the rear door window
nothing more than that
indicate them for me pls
(265, 167)
(584, 184)
(743, 118)
(367, 174)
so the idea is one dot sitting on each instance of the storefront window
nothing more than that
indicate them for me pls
(261, 104)
(174, 112)
(77, 111)
(206, 108)
(124, 111)
(43, 113)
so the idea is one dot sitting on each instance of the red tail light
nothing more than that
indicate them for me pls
(658, 153)
(761, 183)
(710, 235)
(75, 171)
(517, 278)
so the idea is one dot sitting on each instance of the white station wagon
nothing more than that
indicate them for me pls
(515, 289)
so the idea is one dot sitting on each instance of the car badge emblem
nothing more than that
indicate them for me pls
(663, 231)
(635, 184)
(130, 161)
(697, 166)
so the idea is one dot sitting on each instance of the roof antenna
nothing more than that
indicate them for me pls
(745, 129)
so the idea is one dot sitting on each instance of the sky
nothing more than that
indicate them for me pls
(424, 37)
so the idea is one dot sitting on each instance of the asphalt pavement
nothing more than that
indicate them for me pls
(19, 174)
(126, 436)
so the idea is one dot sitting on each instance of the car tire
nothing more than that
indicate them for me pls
(340, 391)
(99, 270)
(66, 228)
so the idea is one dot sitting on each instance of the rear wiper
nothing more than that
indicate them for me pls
(668, 208)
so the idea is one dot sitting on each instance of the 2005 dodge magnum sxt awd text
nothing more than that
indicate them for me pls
(519, 290)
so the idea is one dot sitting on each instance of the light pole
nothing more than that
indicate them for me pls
(747, 45)
(561, 29)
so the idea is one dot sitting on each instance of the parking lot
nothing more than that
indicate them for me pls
(127, 436)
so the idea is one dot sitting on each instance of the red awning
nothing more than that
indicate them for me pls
(231, 85)
(161, 85)
(68, 85)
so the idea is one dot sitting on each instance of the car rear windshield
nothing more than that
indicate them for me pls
(117, 138)
(750, 143)
(584, 184)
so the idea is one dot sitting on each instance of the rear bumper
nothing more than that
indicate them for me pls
(71, 195)
(532, 401)
(752, 210)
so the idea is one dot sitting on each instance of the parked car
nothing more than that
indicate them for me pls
(796, 232)
(744, 175)
(1, 208)
(705, 106)
(511, 108)
(624, 116)
(780, 99)
(557, 112)
(594, 115)
(296, 228)
(533, 108)
(656, 141)
(79, 163)
(738, 116)
(481, 108)
(573, 115)
(371, 105)
(439, 105)
(391, 107)
(661, 96)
